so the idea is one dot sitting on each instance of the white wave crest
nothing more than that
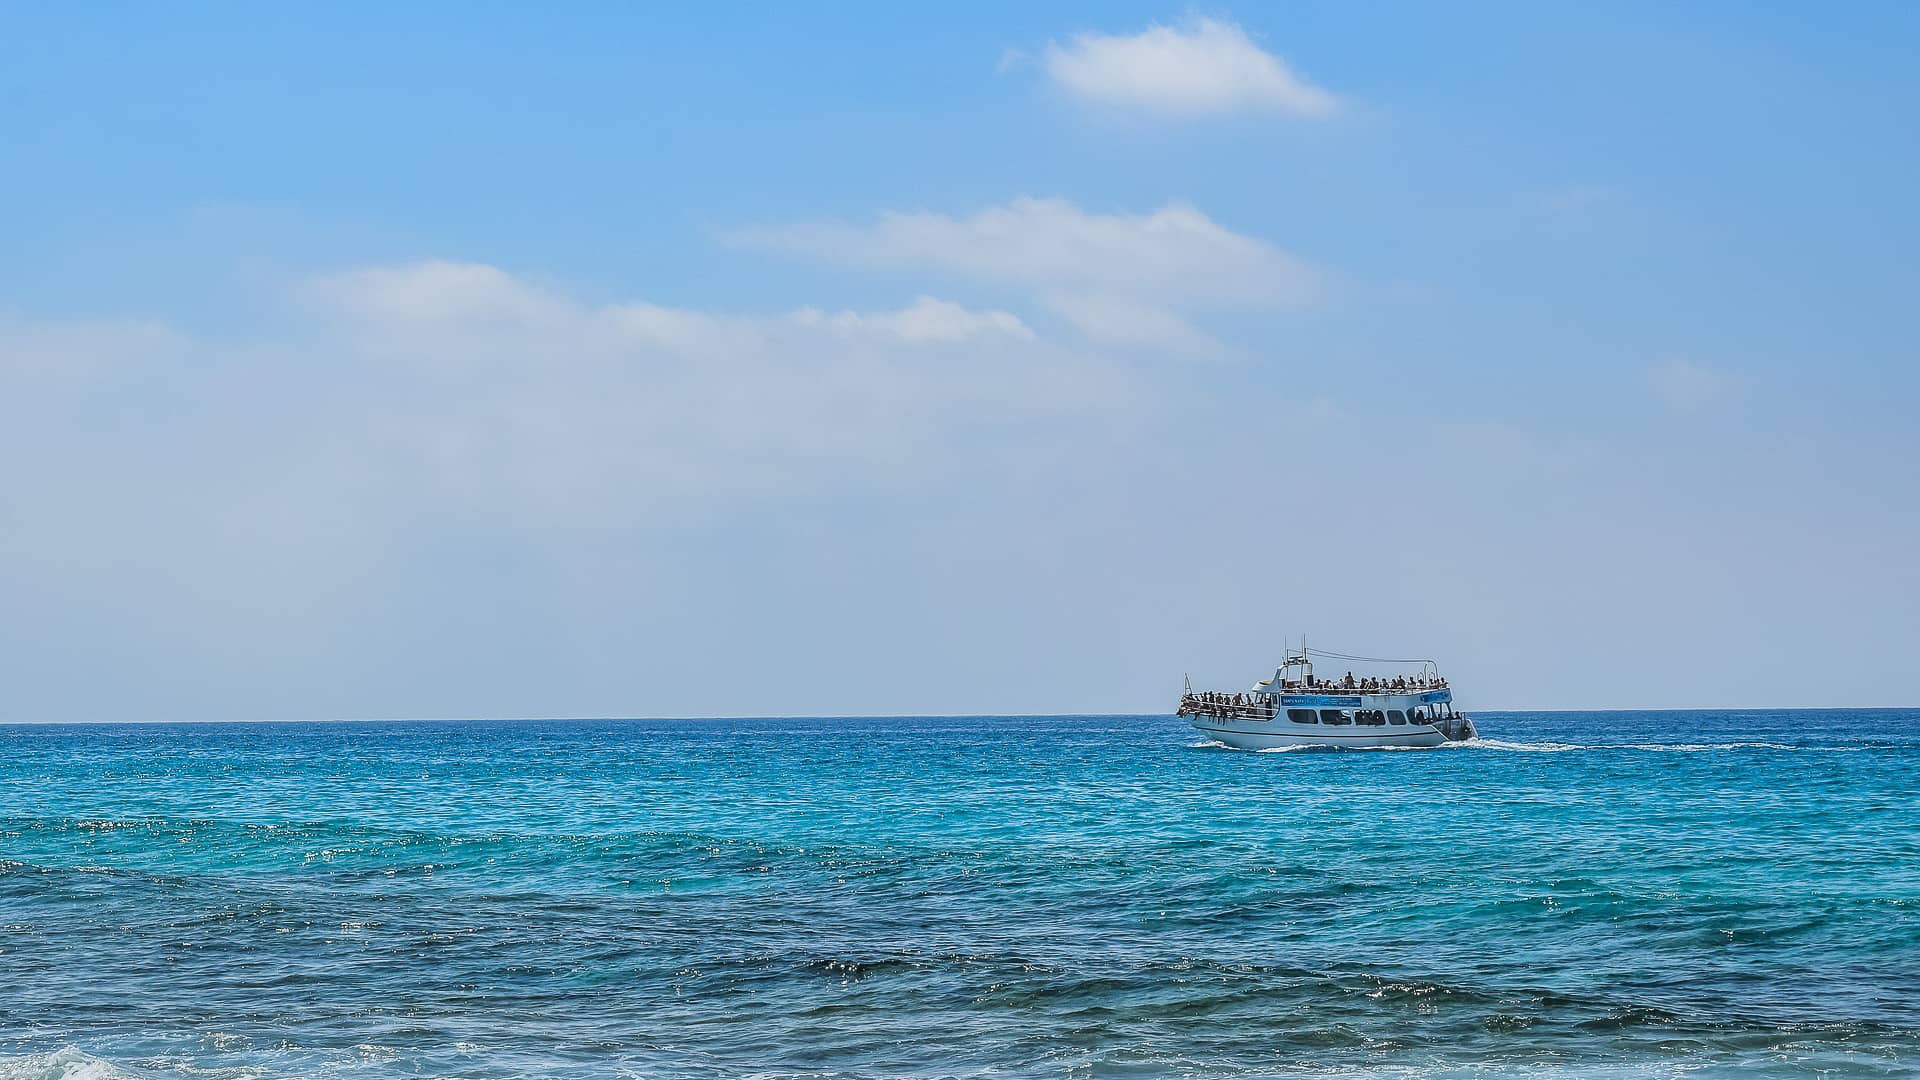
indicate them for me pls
(66, 1064)
(73, 1063)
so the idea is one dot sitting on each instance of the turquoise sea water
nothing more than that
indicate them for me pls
(1605, 894)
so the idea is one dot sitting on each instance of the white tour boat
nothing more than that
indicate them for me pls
(1413, 708)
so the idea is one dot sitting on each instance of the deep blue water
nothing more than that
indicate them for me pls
(1614, 894)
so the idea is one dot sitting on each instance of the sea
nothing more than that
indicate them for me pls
(1608, 894)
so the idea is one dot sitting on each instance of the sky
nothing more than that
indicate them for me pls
(456, 360)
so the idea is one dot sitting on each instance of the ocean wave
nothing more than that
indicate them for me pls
(66, 1064)
(73, 1063)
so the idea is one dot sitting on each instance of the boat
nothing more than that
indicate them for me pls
(1409, 707)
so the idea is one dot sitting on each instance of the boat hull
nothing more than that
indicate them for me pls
(1272, 735)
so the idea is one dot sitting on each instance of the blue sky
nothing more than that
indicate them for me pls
(460, 360)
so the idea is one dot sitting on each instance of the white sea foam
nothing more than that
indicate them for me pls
(1537, 747)
(1518, 747)
(67, 1064)
(1675, 748)
(73, 1063)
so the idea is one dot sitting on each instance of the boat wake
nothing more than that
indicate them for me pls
(1672, 748)
(1512, 746)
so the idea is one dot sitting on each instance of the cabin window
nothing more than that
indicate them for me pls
(1395, 716)
(1334, 716)
(1302, 716)
(1373, 717)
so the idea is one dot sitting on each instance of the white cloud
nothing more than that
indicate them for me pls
(927, 320)
(1112, 320)
(441, 291)
(1174, 253)
(1120, 278)
(444, 296)
(69, 357)
(678, 329)
(1204, 65)
(1684, 386)
(414, 438)
(394, 502)
(486, 387)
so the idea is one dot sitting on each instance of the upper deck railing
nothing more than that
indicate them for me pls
(1402, 685)
(1253, 706)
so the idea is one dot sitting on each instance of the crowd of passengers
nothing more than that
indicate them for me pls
(1210, 697)
(1368, 685)
(1261, 707)
(1220, 704)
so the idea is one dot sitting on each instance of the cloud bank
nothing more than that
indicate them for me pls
(338, 509)
(442, 488)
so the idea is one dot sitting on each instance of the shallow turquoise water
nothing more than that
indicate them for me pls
(1617, 894)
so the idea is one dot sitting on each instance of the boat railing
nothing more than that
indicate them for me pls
(1245, 706)
(1415, 687)
(1195, 704)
